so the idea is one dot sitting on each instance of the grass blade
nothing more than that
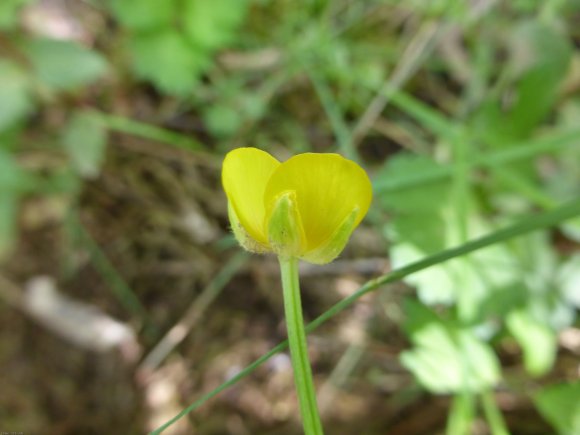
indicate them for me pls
(533, 223)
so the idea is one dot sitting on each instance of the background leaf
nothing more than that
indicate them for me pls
(64, 65)
(15, 94)
(445, 358)
(85, 140)
(560, 405)
(539, 59)
(168, 60)
(211, 25)
(144, 14)
(9, 10)
(537, 340)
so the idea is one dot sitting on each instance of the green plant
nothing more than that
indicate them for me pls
(170, 43)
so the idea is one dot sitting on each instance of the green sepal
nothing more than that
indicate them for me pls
(334, 245)
(244, 239)
(285, 231)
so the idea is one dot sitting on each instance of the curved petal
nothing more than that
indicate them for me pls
(328, 188)
(245, 173)
(333, 246)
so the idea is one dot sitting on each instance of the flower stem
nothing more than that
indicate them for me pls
(298, 347)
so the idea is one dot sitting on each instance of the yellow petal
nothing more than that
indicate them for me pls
(245, 174)
(334, 245)
(328, 188)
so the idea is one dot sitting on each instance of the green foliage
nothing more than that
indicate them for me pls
(9, 13)
(538, 341)
(15, 94)
(530, 224)
(422, 207)
(447, 358)
(222, 120)
(85, 139)
(13, 183)
(167, 59)
(522, 288)
(455, 9)
(64, 65)
(235, 109)
(560, 405)
(212, 25)
(171, 43)
(13, 179)
(423, 222)
(539, 59)
(144, 15)
(569, 280)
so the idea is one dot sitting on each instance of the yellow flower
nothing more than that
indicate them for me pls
(306, 207)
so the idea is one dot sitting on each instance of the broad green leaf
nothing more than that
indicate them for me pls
(560, 405)
(538, 341)
(85, 140)
(167, 60)
(423, 221)
(15, 98)
(9, 13)
(445, 358)
(64, 65)
(417, 317)
(144, 14)
(212, 24)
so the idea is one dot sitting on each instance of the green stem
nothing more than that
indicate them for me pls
(493, 414)
(461, 414)
(298, 347)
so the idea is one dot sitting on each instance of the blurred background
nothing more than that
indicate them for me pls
(123, 296)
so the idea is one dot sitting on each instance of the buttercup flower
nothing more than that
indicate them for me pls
(306, 207)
